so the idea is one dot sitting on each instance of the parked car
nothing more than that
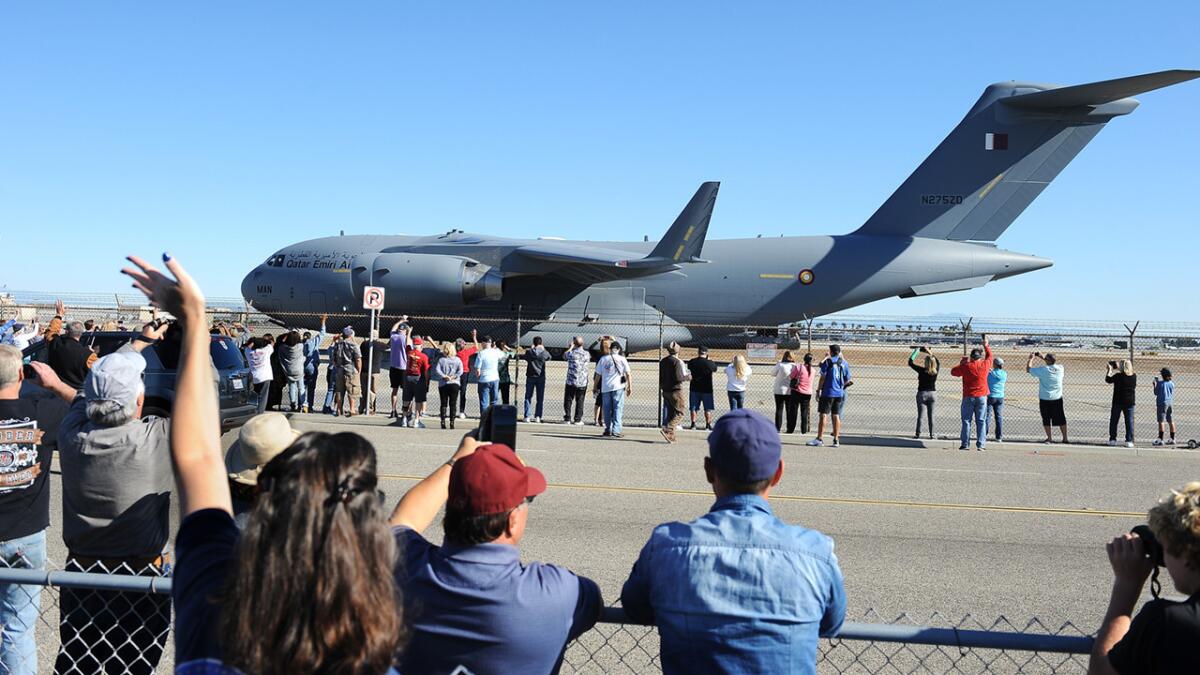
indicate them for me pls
(235, 396)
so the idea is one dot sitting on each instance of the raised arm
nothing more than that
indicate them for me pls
(1029, 363)
(50, 381)
(420, 505)
(195, 441)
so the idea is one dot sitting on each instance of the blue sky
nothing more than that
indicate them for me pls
(223, 131)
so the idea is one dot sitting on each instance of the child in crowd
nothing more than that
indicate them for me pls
(1164, 399)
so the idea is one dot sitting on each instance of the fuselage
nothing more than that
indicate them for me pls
(760, 281)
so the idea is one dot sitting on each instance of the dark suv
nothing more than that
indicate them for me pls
(235, 397)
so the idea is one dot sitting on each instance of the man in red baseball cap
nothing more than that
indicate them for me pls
(473, 606)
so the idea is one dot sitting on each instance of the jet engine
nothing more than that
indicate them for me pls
(420, 280)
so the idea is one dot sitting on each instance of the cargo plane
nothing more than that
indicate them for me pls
(936, 233)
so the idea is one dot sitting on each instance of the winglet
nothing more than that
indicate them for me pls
(685, 239)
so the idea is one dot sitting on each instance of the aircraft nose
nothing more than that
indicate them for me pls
(249, 282)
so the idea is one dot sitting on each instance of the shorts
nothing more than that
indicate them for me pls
(415, 389)
(347, 383)
(1164, 413)
(696, 399)
(830, 405)
(1052, 413)
(397, 377)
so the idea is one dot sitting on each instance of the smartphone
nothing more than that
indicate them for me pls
(499, 425)
(30, 373)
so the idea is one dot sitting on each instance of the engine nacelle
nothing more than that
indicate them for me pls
(421, 280)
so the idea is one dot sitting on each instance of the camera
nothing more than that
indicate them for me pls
(498, 424)
(1154, 550)
(1112, 364)
(30, 373)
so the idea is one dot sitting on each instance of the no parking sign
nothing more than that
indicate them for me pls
(373, 297)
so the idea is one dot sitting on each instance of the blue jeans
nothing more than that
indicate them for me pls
(532, 386)
(295, 392)
(308, 395)
(20, 604)
(974, 407)
(613, 405)
(737, 399)
(489, 395)
(996, 408)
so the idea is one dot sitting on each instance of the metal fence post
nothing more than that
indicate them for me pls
(662, 316)
(1132, 333)
(517, 368)
(966, 329)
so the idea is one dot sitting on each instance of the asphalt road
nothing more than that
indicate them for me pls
(1014, 532)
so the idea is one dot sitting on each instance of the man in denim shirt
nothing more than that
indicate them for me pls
(738, 590)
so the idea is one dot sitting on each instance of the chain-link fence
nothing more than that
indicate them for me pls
(127, 627)
(881, 402)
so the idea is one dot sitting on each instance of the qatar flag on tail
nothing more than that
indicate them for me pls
(995, 141)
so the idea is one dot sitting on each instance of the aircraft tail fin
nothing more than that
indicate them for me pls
(1013, 142)
(684, 240)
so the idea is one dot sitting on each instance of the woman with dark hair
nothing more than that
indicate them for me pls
(258, 355)
(308, 587)
(783, 372)
(291, 362)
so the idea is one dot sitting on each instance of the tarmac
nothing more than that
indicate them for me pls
(921, 528)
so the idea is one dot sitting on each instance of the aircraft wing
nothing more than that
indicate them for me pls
(585, 263)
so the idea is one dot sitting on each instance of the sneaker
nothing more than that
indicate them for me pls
(678, 427)
(692, 425)
(579, 423)
(462, 415)
(403, 421)
(606, 433)
(979, 448)
(836, 443)
(617, 436)
(1129, 444)
(527, 419)
(537, 420)
(815, 442)
(1158, 443)
(1171, 442)
(443, 423)
(998, 439)
(420, 424)
(708, 427)
(963, 447)
(665, 434)
(1112, 442)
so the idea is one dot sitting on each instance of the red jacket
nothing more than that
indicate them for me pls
(974, 373)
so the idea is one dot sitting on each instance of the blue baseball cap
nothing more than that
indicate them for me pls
(745, 447)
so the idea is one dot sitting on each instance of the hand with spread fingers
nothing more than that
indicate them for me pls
(179, 296)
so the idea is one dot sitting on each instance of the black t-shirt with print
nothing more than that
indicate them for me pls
(28, 439)
(1161, 639)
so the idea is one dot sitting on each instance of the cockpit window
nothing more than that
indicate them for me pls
(275, 261)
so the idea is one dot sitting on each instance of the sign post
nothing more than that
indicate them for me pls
(372, 300)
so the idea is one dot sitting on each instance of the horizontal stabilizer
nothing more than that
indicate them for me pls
(1099, 93)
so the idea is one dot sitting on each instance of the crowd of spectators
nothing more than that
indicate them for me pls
(260, 588)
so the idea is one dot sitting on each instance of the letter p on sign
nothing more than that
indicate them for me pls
(373, 297)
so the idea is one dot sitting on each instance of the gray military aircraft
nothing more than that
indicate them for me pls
(935, 234)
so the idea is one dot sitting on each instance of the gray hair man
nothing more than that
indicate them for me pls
(117, 481)
(68, 356)
(29, 426)
(577, 359)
